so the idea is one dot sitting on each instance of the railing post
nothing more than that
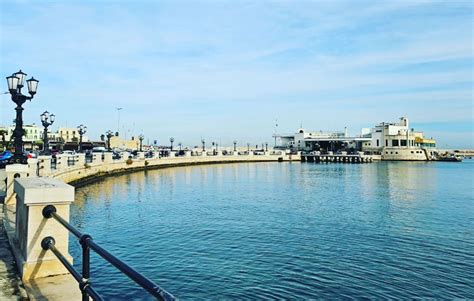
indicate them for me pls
(33, 167)
(61, 162)
(108, 157)
(80, 160)
(14, 171)
(85, 266)
(44, 166)
(33, 194)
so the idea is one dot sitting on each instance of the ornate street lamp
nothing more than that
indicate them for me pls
(47, 120)
(82, 129)
(141, 137)
(109, 134)
(15, 83)
(266, 146)
(248, 147)
(235, 145)
(180, 145)
(203, 145)
(171, 141)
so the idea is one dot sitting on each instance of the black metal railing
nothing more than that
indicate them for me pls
(87, 243)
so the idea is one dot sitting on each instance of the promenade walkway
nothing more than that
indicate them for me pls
(11, 287)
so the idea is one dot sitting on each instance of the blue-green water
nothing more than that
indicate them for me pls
(286, 230)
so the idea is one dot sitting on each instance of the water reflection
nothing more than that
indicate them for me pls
(288, 230)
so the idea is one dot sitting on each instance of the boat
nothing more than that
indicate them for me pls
(450, 158)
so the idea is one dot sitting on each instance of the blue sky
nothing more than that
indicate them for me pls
(225, 70)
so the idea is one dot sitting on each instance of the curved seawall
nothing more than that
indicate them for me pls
(81, 174)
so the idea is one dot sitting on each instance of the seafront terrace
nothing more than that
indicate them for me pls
(44, 181)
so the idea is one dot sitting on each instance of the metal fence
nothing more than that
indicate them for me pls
(87, 243)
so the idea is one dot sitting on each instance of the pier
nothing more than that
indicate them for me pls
(339, 158)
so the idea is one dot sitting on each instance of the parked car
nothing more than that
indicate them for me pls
(4, 157)
(116, 156)
(68, 152)
(32, 155)
(99, 149)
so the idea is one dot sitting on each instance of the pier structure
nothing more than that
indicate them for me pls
(37, 196)
(317, 157)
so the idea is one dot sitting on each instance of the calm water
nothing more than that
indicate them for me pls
(286, 230)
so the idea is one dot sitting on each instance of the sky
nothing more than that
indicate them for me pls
(227, 70)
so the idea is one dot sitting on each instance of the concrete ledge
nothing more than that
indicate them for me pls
(83, 175)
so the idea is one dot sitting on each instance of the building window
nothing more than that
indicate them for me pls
(386, 142)
(412, 152)
(377, 142)
(396, 153)
(394, 142)
(403, 143)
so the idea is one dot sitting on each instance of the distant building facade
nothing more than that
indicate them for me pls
(304, 140)
(397, 141)
(392, 141)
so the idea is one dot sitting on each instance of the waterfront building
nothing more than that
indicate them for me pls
(304, 140)
(392, 141)
(397, 141)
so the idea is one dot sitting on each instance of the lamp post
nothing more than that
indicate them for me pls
(266, 146)
(235, 145)
(248, 147)
(180, 145)
(203, 145)
(109, 134)
(141, 137)
(171, 141)
(46, 120)
(15, 83)
(81, 129)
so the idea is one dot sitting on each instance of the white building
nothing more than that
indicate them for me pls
(33, 133)
(318, 140)
(396, 141)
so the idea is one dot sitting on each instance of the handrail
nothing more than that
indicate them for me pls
(87, 243)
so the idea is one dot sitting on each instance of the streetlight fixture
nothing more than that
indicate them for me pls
(266, 146)
(180, 145)
(248, 147)
(141, 137)
(81, 129)
(203, 145)
(235, 145)
(171, 141)
(46, 120)
(109, 134)
(15, 83)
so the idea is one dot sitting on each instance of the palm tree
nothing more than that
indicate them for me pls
(3, 133)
